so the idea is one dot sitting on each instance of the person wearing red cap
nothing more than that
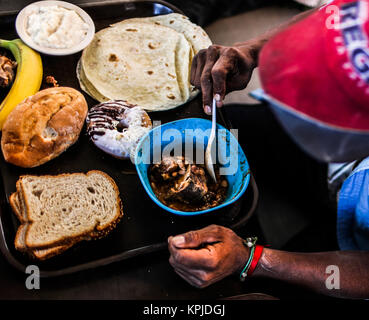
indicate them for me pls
(315, 77)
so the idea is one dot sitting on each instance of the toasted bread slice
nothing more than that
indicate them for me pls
(65, 209)
(15, 205)
(19, 241)
(41, 254)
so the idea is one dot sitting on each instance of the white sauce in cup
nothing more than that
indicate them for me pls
(56, 27)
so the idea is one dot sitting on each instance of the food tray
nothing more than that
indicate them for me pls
(145, 226)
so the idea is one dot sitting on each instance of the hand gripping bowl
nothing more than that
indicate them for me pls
(165, 137)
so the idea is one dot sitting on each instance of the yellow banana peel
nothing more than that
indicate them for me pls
(28, 77)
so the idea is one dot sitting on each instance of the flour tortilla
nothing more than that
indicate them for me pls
(136, 62)
(193, 33)
(145, 61)
(87, 86)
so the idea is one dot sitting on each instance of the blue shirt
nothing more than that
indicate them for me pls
(353, 210)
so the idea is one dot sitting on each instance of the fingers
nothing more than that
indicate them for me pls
(197, 66)
(196, 273)
(218, 70)
(197, 249)
(207, 255)
(202, 259)
(219, 75)
(206, 80)
(199, 278)
(194, 239)
(193, 70)
(242, 69)
(191, 279)
(195, 277)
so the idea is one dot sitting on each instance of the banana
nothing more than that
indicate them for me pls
(28, 77)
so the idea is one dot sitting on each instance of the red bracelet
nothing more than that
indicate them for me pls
(255, 259)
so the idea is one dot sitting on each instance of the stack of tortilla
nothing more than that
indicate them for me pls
(144, 61)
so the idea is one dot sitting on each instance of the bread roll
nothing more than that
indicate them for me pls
(43, 126)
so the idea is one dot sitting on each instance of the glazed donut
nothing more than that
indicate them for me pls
(116, 127)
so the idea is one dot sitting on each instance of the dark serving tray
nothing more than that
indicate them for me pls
(145, 226)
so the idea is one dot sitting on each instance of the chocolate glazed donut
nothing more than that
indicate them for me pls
(116, 127)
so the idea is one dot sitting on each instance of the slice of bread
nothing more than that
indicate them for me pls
(20, 237)
(15, 205)
(68, 208)
(58, 211)
(41, 254)
(19, 241)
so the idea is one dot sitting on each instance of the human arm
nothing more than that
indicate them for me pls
(222, 69)
(309, 270)
(206, 256)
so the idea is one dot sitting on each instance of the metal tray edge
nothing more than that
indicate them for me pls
(126, 254)
(103, 3)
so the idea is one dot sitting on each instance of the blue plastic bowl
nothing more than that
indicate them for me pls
(238, 180)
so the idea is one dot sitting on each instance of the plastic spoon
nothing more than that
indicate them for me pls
(208, 159)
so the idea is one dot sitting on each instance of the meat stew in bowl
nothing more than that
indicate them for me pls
(183, 186)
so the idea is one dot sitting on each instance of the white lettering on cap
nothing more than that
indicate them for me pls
(353, 15)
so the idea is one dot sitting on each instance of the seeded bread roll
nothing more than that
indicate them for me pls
(43, 126)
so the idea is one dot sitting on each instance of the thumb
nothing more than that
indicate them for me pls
(194, 239)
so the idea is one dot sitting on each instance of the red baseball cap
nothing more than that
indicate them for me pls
(317, 70)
